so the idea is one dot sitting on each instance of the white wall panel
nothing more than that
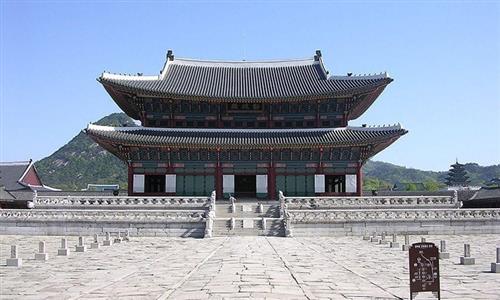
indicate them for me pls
(350, 183)
(170, 183)
(319, 183)
(138, 183)
(261, 182)
(228, 183)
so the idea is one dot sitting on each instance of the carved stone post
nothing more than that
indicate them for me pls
(14, 260)
(495, 267)
(41, 255)
(394, 243)
(466, 259)
(95, 244)
(81, 245)
(118, 238)
(406, 246)
(443, 254)
(107, 241)
(64, 250)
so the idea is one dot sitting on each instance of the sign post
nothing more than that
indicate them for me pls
(424, 269)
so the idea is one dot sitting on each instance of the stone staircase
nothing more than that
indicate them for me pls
(249, 218)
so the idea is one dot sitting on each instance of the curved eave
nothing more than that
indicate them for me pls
(122, 99)
(119, 87)
(361, 107)
(114, 138)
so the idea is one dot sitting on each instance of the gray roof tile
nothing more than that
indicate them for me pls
(10, 173)
(239, 138)
(249, 81)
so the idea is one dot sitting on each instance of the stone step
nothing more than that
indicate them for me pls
(246, 232)
(248, 226)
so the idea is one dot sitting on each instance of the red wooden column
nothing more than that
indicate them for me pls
(318, 122)
(359, 180)
(270, 115)
(130, 178)
(218, 177)
(271, 181)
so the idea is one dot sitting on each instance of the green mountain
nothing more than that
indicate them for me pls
(381, 174)
(82, 161)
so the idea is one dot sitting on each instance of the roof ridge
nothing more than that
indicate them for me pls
(381, 75)
(236, 130)
(243, 63)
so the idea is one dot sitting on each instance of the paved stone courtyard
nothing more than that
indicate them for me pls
(240, 267)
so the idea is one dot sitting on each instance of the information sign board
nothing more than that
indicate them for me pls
(424, 269)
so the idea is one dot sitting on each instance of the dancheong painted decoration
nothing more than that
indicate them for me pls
(244, 128)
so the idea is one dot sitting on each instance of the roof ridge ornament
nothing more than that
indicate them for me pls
(318, 55)
(170, 55)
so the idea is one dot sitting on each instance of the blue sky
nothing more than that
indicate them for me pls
(444, 57)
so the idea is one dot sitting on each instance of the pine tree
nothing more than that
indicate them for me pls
(457, 175)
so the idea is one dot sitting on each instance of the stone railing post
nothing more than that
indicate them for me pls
(287, 224)
(281, 198)
(458, 204)
(213, 196)
(209, 224)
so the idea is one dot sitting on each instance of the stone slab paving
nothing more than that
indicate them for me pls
(240, 267)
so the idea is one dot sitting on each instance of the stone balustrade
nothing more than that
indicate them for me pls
(120, 202)
(374, 202)
(387, 215)
(101, 216)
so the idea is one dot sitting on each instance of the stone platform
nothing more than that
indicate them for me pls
(240, 267)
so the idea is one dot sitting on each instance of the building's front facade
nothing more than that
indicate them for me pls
(247, 129)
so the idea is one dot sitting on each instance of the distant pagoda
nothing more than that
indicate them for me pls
(457, 175)
(243, 128)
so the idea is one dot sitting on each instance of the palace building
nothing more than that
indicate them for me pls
(248, 129)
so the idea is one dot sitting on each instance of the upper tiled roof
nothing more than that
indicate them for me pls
(248, 81)
(236, 138)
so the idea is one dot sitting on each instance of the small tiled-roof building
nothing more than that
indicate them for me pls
(486, 197)
(245, 128)
(19, 180)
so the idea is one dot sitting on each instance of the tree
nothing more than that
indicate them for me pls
(411, 186)
(457, 175)
(432, 185)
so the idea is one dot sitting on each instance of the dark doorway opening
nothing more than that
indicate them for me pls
(335, 183)
(154, 184)
(245, 186)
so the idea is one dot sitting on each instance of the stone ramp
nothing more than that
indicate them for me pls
(248, 218)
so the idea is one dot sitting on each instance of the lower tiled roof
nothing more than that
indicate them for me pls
(244, 138)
